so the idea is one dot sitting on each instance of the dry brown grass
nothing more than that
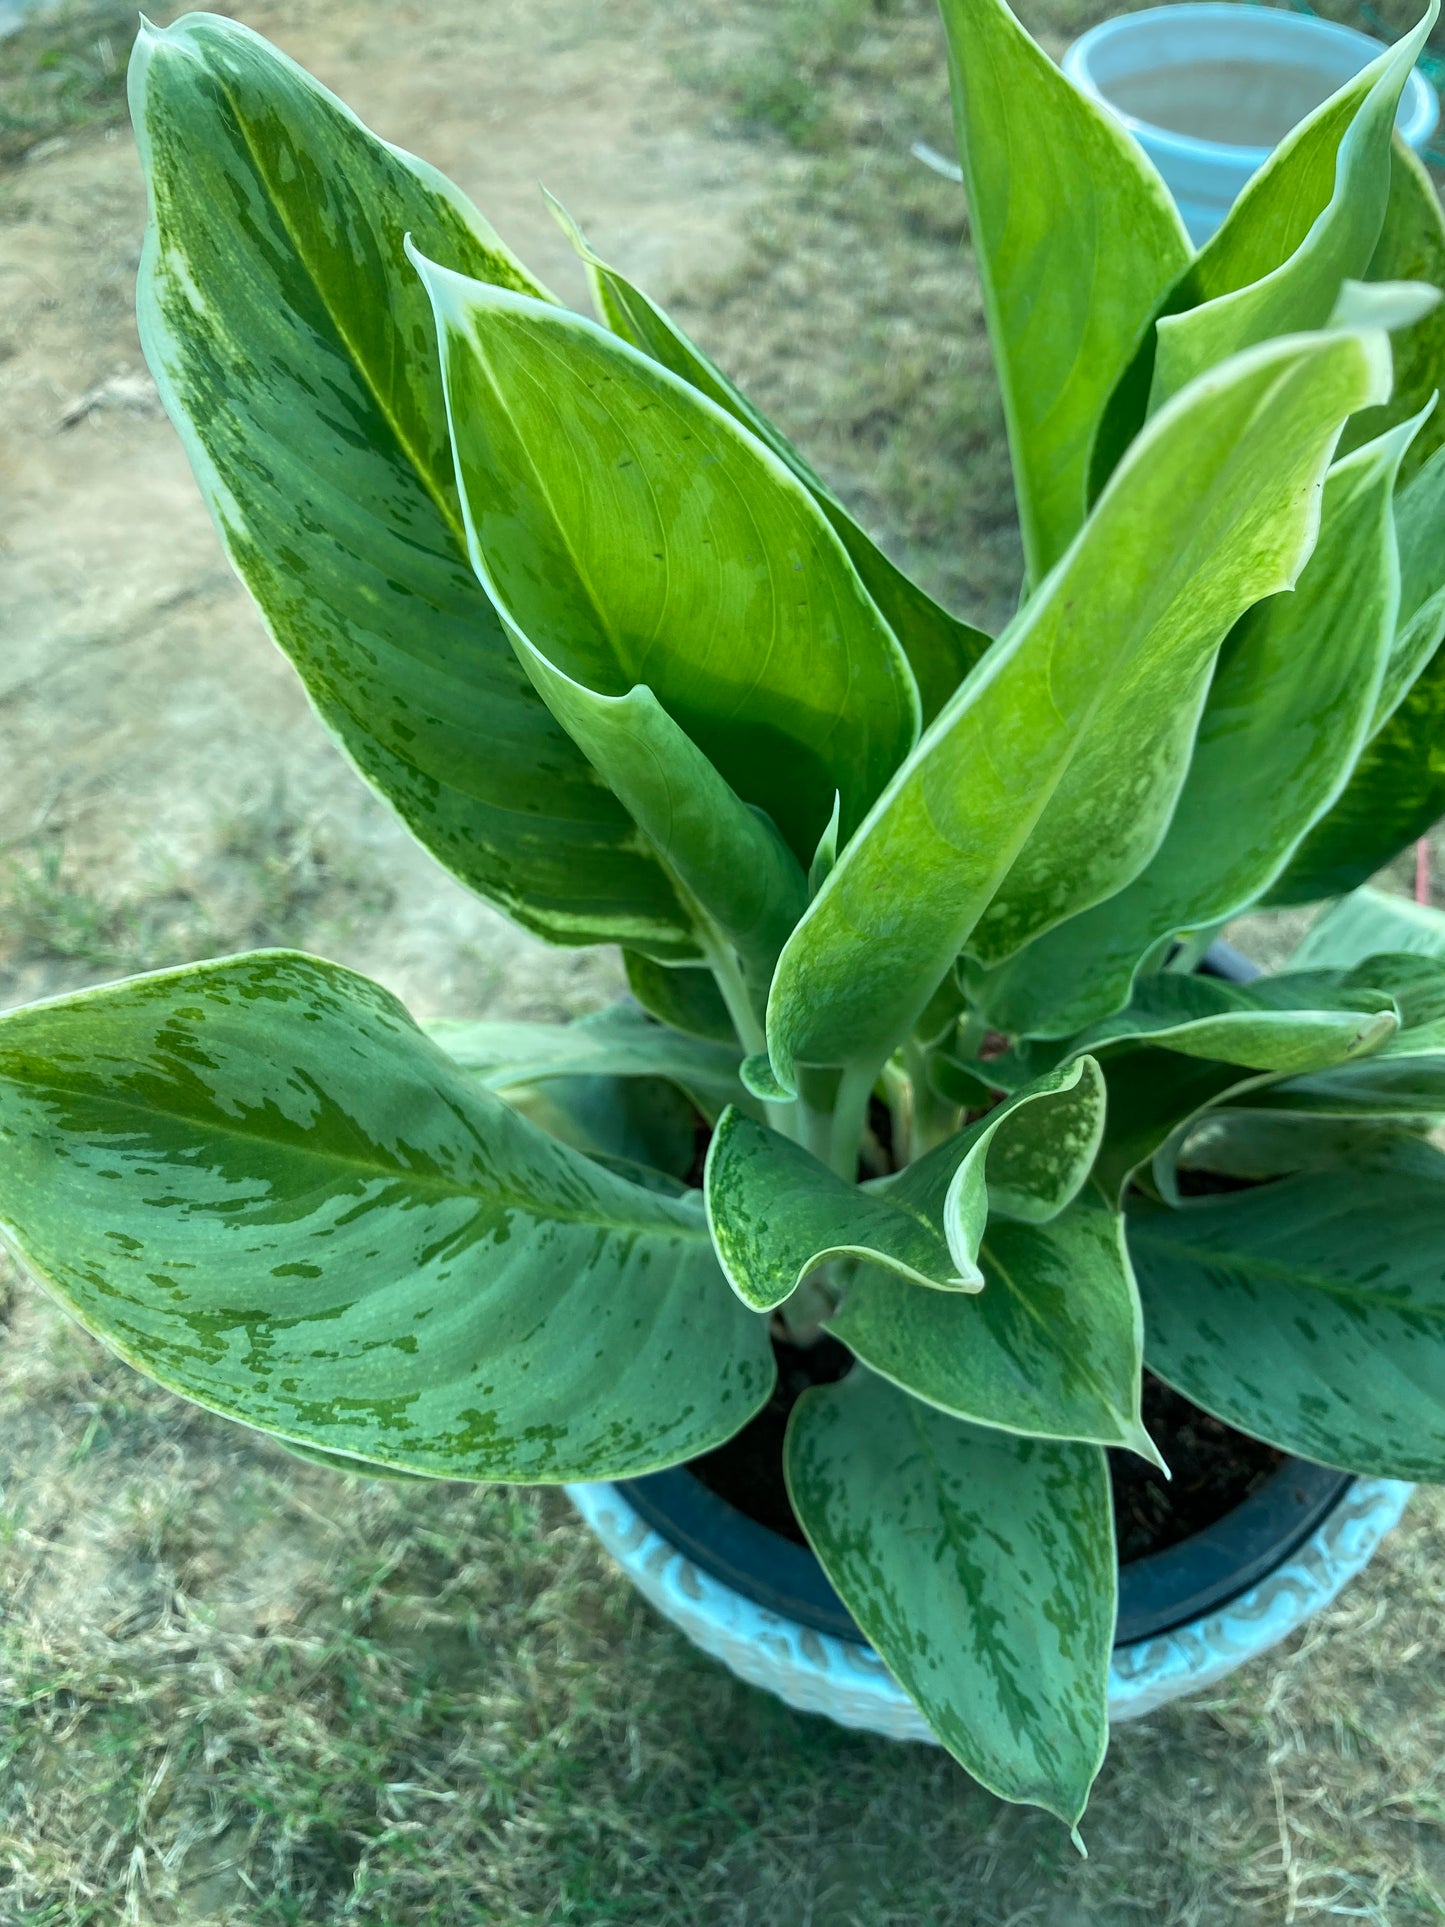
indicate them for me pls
(243, 1690)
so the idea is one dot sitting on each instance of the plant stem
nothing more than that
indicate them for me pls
(804, 1311)
(735, 994)
(850, 1114)
(813, 1112)
(723, 964)
(1191, 948)
(898, 1094)
(931, 1117)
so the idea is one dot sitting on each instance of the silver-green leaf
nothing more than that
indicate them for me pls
(1397, 789)
(1050, 1348)
(777, 1213)
(260, 1184)
(1310, 1312)
(1339, 245)
(735, 604)
(1289, 709)
(1076, 240)
(941, 648)
(1049, 779)
(293, 348)
(982, 1570)
(620, 1042)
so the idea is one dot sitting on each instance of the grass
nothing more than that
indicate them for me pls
(47, 909)
(64, 73)
(240, 1689)
(784, 85)
(856, 320)
(267, 876)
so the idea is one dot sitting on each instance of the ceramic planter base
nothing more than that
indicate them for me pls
(819, 1673)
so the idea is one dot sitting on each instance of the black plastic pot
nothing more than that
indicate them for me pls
(1157, 1593)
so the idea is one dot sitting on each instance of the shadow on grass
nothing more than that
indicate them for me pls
(240, 1688)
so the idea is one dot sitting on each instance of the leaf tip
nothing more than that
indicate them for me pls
(452, 295)
(1373, 1034)
(760, 1078)
(1390, 305)
(423, 263)
(567, 223)
(1137, 1439)
(966, 1278)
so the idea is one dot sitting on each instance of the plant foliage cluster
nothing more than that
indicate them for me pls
(911, 914)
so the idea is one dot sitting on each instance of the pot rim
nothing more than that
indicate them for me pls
(817, 1672)
(1419, 104)
(1157, 1593)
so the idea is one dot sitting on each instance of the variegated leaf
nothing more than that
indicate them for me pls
(293, 348)
(980, 1567)
(261, 1185)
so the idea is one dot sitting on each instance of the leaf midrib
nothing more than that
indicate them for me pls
(421, 1180)
(449, 515)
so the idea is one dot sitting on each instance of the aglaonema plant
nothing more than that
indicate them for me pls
(910, 914)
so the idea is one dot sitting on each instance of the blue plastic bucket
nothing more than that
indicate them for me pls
(1208, 89)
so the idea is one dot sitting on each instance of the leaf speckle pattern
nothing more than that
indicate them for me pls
(275, 1196)
(981, 1567)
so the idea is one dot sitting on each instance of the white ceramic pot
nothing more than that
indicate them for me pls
(1209, 88)
(818, 1673)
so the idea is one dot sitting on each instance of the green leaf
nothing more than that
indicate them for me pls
(1288, 712)
(614, 1043)
(826, 854)
(1027, 1159)
(725, 857)
(738, 608)
(1367, 923)
(685, 996)
(1310, 1312)
(358, 1468)
(260, 1184)
(940, 648)
(1076, 240)
(1284, 1023)
(982, 1570)
(1235, 1038)
(643, 1127)
(1405, 1077)
(777, 1213)
(1416, 981)
(1050, 1348)
(1255, 1145)
(1419, 523)
(1340, 243)
(1014, 811)
(757, 1077)
(1408, 1087)
(1397, 1072)
(1411, 247)
(273, 270)
(960, 1080)
(1266, 225)
(1397, 791)
(1154, 1101)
